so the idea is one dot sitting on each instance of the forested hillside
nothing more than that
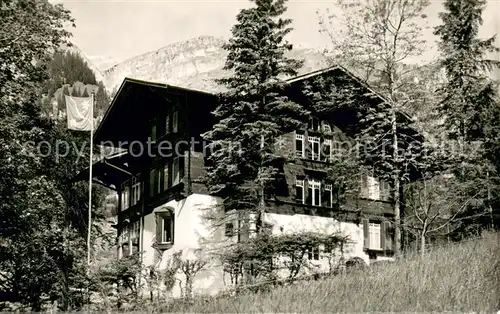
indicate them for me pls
(70, 75)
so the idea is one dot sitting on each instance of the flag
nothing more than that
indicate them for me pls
(79, 111)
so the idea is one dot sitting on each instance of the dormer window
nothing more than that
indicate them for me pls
(325, 126)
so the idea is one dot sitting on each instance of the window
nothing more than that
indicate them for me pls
(125, 196)
(159, 179)
(166, 183)
(125, 249)
(314, 148)
(229, 230)
(153, 131)
(313, 253)
(299, 146)
(167, 124)
(165, 227)
(327, 150)
(328, 196)
(325, 126)
(152, 181)
(129, 239)
(299, 191)
(123, 241)
(314, 124)
(136, 191)
(370, 187)
(167, 230)
(374, 236)
(385, 190)
(373, 188)
(175, 121)
(176, 171)
(134, 237)
(364, 185)
(314, 193)
(267, 228)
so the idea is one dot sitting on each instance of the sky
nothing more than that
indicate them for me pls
(122, 29)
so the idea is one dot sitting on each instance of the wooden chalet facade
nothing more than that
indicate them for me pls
(159, 178)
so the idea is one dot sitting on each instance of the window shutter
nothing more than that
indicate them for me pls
(383, 233)
(229, 229)
(167, 123)
(152, 182)
(366, 233)
(308, 192)
(162, 179)
(181, 168)
(388, 236)
(158, 228)
(295, 143)
(172, 226)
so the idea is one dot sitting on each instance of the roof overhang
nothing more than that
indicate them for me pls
(110, 172)
(134, 105)
(367, 92)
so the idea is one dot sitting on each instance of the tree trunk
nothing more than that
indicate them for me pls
(397, 185)
(422, 243)
(189, 287)
(262, 203)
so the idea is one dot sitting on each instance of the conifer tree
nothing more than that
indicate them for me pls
(253, 112)
(101, 98)
(75, 92)
(470, 92)
(85, 93)
(65, 90)
(470, 104)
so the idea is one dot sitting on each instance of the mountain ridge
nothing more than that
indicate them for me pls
(194, 63)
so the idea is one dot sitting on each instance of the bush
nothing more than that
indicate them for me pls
(258, 260)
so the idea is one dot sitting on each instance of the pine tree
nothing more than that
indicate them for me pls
(101, 98)
(65, 90)
(85, 93)
(243, 166)
(470, 102)
(75, 92)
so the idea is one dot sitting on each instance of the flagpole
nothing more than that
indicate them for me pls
(90, 175)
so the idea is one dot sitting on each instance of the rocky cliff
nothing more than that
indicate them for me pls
(194, 63)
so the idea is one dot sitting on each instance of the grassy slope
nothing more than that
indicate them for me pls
(464, 277)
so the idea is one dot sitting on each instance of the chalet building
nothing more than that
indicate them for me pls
(163, 201)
